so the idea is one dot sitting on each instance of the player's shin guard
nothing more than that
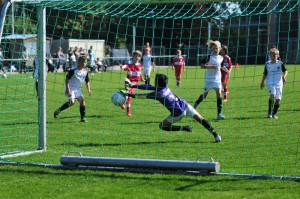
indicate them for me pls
(276, 107)
(219, 105)
(271, 104)
(82, 111)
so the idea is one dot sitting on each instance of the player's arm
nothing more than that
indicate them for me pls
(87, 84)
(262, 83)
(285, 73)
(67, 81)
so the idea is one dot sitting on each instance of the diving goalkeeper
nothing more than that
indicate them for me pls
(178, 107)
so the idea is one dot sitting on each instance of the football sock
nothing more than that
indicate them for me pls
(200, 99)
(271, 102)
(82, 111)
(176, 128)
(65, 106)
(276, 106)
(219, 105)
(207, 125)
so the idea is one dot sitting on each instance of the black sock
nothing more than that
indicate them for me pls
(276, 107)
(82, 111)
(271, 102)
(65, 106)
(207, 125)
(200, 99)
(219, 105)
(176, 128)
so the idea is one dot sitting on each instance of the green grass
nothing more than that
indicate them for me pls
(251, 143)
(37, 182)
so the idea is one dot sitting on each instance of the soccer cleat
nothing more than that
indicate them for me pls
(128, 112)
(220, 117)
(275, 116)
(83, 120)
(225, 100)
(188, 128)
(56, 113)
(218, 138)
(123, 106)
(269, 114)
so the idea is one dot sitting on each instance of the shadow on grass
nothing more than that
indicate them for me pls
(130, 143)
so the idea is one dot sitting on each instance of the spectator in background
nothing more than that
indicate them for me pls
(61, 60)
(100, 63)
(92, 65)
(25, 57)
(93, 52)
(81, 51)
(147, 45)
(70, 52)
(73, 59)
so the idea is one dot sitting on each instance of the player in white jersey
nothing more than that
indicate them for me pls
(74, 80)
(213, 65)
(148, 64)
(275, 81)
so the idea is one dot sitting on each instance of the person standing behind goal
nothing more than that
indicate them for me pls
(275, 81)
(148, 64)
(74, 80)
(178, 63)
(225, 75)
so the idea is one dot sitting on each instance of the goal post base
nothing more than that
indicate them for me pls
(199, 166)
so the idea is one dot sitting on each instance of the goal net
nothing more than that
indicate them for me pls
(109, 32)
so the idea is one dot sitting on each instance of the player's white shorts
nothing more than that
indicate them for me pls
(212, 85)
(147, 71)
(74, 94)
(189, 112)
(275, 90)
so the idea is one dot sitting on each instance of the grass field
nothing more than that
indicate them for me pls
(251, 143)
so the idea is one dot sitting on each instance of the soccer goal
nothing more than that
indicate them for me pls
(109, 32)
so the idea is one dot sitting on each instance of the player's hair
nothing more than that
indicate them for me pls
(137, 52)
(210, 43)
(274, 50)
(161, 80)
(179, 51)
(225, 48)
(82, 58)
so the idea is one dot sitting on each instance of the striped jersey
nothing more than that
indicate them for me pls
(134, 71)
(178, 61)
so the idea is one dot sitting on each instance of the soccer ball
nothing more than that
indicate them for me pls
(118, 98)
(4, 76)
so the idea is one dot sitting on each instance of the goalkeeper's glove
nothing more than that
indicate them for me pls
(124, 92)
(128, 83)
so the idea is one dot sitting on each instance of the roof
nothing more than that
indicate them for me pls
(20, 36)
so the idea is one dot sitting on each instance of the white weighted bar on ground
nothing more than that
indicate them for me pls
(141, 163)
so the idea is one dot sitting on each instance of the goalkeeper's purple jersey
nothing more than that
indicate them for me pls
(174, 104)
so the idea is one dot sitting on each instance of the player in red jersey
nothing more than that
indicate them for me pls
(225, 75)
(178, 63)
(134, 74)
